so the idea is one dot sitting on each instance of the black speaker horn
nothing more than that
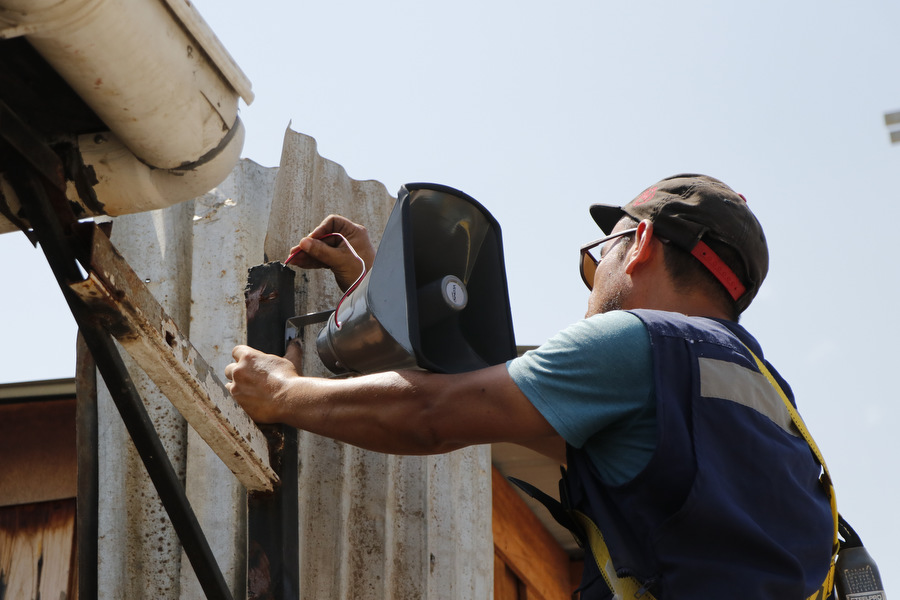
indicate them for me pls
(436, 297)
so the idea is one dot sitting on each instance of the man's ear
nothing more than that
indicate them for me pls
(643, 249)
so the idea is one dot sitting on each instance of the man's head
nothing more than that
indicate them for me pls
(710, 234)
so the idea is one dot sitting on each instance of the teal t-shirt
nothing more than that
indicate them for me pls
(593, 382)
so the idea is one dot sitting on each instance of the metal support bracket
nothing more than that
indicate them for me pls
(293, 327)
(273, 563)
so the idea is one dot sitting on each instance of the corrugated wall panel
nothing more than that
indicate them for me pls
(138, 551)
(371, 525)
(194, 257)
(374, 526)
(229, 226)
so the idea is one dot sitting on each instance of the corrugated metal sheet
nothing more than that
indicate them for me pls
(372, 525)
(194, 257)
(138, 551)
(228, 232)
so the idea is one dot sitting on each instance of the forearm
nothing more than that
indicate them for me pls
(404, 412)
(392, 412)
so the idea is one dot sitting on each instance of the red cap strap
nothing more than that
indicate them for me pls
(717, 267)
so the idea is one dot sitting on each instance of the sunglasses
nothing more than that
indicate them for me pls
(589, 263)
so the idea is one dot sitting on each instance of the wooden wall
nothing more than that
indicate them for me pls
(37, 499)
(529, 563)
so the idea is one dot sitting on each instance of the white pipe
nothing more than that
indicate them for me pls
(146, 70)
(125, 185)
(137, 68)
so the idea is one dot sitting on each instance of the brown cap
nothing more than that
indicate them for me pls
(690, 210)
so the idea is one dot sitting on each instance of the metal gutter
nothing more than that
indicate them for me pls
(161, 82)
(34, 390)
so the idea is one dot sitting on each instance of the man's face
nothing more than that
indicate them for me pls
(611, 285)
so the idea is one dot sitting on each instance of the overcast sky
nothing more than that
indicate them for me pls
(539, 109)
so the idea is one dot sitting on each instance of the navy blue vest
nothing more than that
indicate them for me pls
(730, 505)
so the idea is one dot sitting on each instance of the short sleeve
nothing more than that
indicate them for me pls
(594, 376)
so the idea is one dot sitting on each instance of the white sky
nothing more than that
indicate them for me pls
(539, 109)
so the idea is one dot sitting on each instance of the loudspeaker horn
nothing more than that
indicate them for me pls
(436, 297)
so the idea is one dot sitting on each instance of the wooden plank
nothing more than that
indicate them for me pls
(506, 584)
(37, 443)
(128, 311)
(36, 542)
(526, 546)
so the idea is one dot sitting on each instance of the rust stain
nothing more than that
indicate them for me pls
(32, 530)
(258, 297)
(259, 577)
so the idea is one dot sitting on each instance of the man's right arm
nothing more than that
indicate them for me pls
(400, 412)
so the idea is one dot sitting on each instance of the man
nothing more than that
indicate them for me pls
(677, 445)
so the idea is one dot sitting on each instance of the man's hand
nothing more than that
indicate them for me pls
(316, 251)
(258, 381)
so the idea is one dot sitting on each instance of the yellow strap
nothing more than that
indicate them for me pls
(622, 587)
(824, 592)
(629, 587)
(828, 585)
(801, 426)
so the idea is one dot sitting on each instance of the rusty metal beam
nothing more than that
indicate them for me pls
(273, 523)
(118, 298)
(87, 439)
(24, 141)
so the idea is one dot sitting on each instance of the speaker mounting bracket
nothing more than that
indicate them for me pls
(295, 325)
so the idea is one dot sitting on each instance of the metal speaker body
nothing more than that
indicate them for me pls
(436, 297)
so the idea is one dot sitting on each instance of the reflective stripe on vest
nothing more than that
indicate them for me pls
(727, 381)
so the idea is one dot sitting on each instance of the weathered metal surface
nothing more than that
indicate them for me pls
(130, 312)
(87, 438)
(143, 526)
(227, 228)
(373, 525)
(50, 220)
(194, 259)
(272, 566)
(168, 486)
(136, 541)
(55, 229)
(460, 543)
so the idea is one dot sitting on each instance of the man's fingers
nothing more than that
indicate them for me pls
(324, 252)
(312, 253)
(240, 351)
(336, 224)
(300, 256)
(324, 247)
